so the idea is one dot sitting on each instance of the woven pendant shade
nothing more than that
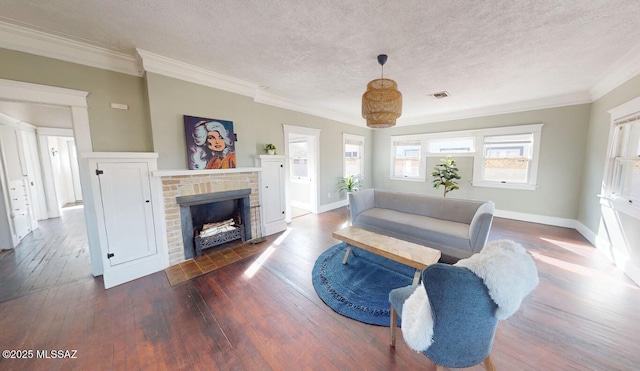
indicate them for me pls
(382, 102)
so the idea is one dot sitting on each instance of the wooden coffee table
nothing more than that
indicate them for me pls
(407, 253)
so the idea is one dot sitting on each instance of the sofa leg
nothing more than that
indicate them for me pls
(393, 325)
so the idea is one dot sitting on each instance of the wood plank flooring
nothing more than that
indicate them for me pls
(263, 314)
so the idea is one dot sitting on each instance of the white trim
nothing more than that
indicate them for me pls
(629, 108)
(315, 175)
(34, 93)
(8, 121)
(54, 132)
(332, 206)
(520, 186)
(120, 155)
(179, 172)
(534, 218)
(623, 70)
(40, 43)
(27, 92)
(156, 63)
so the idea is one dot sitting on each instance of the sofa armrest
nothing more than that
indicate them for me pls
(480, 226)
(359, 202)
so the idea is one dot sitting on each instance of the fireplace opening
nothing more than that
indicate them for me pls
(213, 219)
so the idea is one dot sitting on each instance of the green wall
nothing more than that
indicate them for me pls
(255, 124)
(112, 130)
(562, 148)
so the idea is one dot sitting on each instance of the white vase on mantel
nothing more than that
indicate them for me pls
(271, 151)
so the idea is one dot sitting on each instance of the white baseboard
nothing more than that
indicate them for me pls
(331, 206)
(533, 218)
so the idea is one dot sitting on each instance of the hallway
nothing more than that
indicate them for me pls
(55, 254)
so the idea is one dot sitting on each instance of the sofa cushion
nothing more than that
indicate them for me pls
(452, 209)
(451, 238)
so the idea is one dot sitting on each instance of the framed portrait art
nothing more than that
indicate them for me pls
(210, 143)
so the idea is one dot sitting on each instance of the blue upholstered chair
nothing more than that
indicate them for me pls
(464, 323)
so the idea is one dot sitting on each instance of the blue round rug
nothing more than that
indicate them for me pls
(359, 289)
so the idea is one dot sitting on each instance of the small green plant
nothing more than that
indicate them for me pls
(270, 149)
(446, 174)
(349, 183)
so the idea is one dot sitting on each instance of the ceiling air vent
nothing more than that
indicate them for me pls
(440, 95)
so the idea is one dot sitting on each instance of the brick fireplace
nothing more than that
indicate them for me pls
(203, 182)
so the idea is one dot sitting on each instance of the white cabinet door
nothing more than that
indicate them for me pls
(128, 213)
(272, 194)
(127, 232)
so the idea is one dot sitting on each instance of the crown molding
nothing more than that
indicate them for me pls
(26, 40)
(39, 43)
(156, 63)
(529, 105)
(161, 65)
(624, 70)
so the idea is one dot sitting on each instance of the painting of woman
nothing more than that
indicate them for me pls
(212, 145)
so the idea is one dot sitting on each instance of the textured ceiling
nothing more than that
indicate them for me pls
(323, 53)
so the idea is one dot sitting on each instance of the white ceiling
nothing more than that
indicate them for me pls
(491, 56)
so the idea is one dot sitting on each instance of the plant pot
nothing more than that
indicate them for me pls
(271, 151)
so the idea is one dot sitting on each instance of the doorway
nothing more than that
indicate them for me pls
(302, 146)
(76, 102)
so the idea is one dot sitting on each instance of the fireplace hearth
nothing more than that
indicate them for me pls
(198, 210)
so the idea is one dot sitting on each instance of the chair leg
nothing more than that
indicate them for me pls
(488, 364)
(392, 325)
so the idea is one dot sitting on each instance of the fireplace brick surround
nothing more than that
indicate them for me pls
(189, 185)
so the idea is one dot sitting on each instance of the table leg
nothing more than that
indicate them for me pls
(416, 277)
(346, 254)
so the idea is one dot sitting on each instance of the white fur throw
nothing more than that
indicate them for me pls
(417, 322)
(507, 270)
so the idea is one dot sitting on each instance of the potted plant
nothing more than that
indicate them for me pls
(270, 149)
(446, 174)
(349, 183)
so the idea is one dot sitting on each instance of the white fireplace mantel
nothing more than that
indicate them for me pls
(180, 172)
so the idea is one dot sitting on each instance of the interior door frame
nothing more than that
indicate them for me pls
(76, 100)
(314, 135)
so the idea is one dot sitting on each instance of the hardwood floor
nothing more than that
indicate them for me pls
(262, 313)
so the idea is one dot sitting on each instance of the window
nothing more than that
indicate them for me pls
(505, 157)
(299, 159)
(353, 146)
(407, 160)
(621, 183)
(626, 157)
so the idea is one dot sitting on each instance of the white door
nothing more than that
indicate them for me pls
(128, 236)
(36, 191)
(274, 205)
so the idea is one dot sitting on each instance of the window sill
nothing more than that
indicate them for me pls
(523, 187)
(408, 179)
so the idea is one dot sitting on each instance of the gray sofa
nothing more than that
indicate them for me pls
(458, 228)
